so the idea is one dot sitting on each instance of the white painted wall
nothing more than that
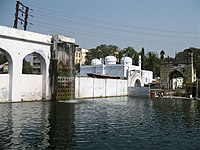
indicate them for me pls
(99, 88)
(31, 87)
(86, 87)
(18, 44)
(147, 76)
(24, 35)
(4, 87)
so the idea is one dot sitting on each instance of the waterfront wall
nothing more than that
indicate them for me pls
(31, 88)
(4, 87)
(16, 45)
(86, 87)
(139, 91)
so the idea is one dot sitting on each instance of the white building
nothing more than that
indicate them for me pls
(16, 45)
(124, 70)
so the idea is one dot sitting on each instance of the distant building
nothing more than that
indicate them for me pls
(80, 55)
(124, 70)
(36, 65)
(177, 73)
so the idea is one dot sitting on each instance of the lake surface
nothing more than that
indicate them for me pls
(119, 123)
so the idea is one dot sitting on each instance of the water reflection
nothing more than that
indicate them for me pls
(37, 125)
(61, 122)
(112, 123)
(23, 125)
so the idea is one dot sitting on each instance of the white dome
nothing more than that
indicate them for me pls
(109, 60)
(96, 62)
(126, 60)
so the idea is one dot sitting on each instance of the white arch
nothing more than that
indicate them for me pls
(18, 44)
(10, 70)
(43, 69)
(134, 78)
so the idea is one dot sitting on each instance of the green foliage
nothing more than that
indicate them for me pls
(131, 52)
(153, 63)
(143, 58)
(150, 61)
(196, 58)
(3, 58)
(101, 51)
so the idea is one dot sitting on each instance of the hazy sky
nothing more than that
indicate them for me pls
(171, 25)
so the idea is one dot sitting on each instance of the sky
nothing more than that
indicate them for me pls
(155, 25)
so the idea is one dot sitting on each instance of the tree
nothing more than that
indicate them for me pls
(143, 59)
(196, 58)
(3, 58)
(131, 52)
(153, 63)
(106, 50)
(101, 51)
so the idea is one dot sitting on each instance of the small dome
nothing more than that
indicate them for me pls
(126, 60)
(110, 60)
(96, 62)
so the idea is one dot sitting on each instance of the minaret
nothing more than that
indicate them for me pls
(139, 61)
(191, 69)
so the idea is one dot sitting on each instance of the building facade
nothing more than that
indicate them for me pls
(16, 45)
(80, 56)
(124, 70)
(177, 73)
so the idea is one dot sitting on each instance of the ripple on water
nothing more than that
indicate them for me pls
(112, 123)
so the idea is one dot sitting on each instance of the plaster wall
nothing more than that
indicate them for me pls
(86, 87)
(99, 87)
(31, 90)
(24, 35)
(4, 87)
(18, 44)
(98, 69)
(147, 76)
(83, 87)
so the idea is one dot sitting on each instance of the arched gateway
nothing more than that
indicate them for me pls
(176, 74)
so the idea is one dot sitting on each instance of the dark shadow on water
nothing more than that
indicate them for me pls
(36, 125)
(61, 122)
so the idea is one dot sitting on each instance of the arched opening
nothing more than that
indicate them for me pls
(34, 69)
(176, 80)
(32, 64)
(3, 63)
(6, 69)
(136, 80)
(137, 83)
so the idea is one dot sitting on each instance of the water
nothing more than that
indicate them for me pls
(112, 123)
